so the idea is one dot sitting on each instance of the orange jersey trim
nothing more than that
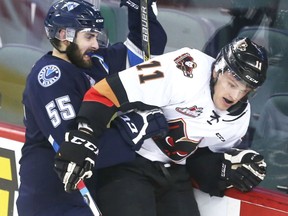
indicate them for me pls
(102, 93)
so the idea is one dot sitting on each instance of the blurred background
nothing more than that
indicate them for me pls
(201, 24)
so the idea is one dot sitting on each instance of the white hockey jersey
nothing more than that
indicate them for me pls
(179, 83)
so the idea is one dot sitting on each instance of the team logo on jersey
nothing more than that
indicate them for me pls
(49, 75)
(186, 64)
(177, 145)
(190, 111)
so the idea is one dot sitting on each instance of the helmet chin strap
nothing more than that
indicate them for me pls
(56, 47)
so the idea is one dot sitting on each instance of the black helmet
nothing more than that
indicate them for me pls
(246, 59)
(73, 15)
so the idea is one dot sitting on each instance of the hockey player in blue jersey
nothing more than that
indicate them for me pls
(54, 91)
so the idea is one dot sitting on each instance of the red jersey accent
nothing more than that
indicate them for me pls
(94, 96)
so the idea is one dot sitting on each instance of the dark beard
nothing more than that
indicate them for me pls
(75, 56)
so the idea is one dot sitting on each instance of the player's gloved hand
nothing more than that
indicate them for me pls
(243, 169)
(135, 5)
(76, 158)
(135, 127)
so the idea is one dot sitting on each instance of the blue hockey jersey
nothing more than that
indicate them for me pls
(51, 100)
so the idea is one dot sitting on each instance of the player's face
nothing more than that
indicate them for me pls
(228, 90)
(85, 43)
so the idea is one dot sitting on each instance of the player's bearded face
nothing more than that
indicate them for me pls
(228, 90)
(76, 57)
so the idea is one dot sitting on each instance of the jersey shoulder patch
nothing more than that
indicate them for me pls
(48, 75)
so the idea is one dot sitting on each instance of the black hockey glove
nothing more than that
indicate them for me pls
(243, 169)
(76, 158)
(135, 127)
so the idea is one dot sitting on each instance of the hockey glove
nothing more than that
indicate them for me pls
(243, 169)
(135, 127)
(76, 158)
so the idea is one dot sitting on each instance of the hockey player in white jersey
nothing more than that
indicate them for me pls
(205, 103)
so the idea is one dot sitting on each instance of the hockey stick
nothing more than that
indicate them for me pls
(145, 30)
(81, 185)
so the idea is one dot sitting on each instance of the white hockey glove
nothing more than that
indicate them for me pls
(76, 158)
(243, 169)
(135, 127)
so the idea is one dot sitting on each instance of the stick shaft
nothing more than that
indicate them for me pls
(145, 30)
